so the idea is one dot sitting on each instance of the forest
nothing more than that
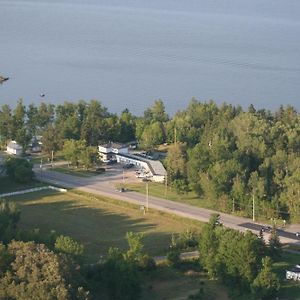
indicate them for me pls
(227, 155)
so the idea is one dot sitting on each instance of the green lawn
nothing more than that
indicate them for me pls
(289, 289)
(159, 190)
(7, 185)
(169, 283)
(98, 222)
(191, 198)
(75, 171)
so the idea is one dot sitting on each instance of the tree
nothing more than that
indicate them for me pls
(266, 284)
(32, 119)
(89, 156)
(9, 217)
(127, 126)
(153, 135)
(157, 112)
(120, 277)
(93, 127)
(45, 115)
(19, 115)
(66, 244)
(19, 169)
(23, 137)
(136, 246)
(29, 275)
(51, 140)
(6, 123)
(176, 162)
(72, 151)
(208, 247)
(275, 247)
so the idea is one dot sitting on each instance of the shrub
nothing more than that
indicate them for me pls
(173, 257)
(147, 263)
(67, 245)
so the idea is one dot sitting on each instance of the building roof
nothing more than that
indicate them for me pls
(155, 166)
(14, 145)
(113, 145)
(295, 269)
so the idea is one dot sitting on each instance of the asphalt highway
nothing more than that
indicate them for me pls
(105, 185)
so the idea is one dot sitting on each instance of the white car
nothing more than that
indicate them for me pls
(297, 234)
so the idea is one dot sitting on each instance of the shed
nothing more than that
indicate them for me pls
(293, 273)
(14, 148)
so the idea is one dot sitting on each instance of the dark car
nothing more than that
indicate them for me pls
(128, 166)
(266, 229)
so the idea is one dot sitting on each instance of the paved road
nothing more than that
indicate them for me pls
(105, 185)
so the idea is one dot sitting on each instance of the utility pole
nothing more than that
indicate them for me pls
(175, 135)
(52, 158)
(233, 206)
(166, 185)
(147, 196)
(253, 207)
(41, 166)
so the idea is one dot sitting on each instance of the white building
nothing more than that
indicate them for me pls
(294, 273)
(120, 153)
(14, 148)
(108, 151)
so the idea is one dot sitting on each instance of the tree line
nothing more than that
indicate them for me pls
(226, 155)
(51, 266)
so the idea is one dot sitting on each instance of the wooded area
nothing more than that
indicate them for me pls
(229, 156)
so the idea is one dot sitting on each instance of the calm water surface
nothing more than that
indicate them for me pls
(127, 53)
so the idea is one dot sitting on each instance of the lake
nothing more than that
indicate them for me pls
(129, 53)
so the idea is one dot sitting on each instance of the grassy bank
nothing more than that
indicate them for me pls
(7, 185)
(75, 171)
(98, 222)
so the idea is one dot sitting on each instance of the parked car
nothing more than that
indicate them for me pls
(100, 170)
(266, 229)
(128, 166)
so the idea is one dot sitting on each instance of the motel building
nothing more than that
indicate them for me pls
(120, 153)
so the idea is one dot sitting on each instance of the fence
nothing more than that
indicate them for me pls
(33, 190)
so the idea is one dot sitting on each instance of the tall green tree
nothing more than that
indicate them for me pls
(266, 284)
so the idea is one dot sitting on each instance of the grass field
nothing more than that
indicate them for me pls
(191, 198)
(169, 283)
(7, 186)
(97, 222)
(75, 171)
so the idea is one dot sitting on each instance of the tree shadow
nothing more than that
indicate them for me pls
(96, 224)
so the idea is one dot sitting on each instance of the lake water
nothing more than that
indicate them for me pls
(127, 53)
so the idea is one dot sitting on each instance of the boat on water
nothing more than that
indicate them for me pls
(2, 79)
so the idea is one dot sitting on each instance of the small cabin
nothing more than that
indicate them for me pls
(14, 148)
(293, 273)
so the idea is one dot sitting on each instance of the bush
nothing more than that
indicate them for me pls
(67, 245)
(147, 263)
(187, 239)
(19, 169)
(173, 257)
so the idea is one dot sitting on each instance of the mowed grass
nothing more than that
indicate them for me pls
(75, 171)
(290, 289)
(169, 283)
(7, 185)
(98, 222)
(159, 190)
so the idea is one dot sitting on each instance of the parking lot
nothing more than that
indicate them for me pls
(118, 173)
